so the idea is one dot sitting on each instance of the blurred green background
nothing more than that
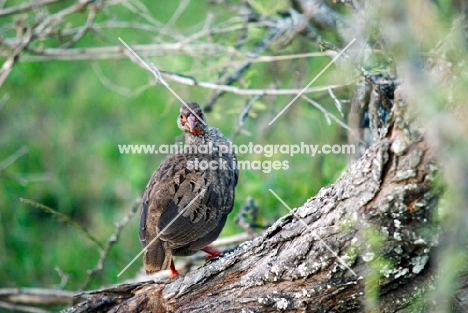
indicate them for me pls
(61, 123)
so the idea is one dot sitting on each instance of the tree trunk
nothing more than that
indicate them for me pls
(365, 241)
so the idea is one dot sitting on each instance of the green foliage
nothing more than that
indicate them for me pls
(267, 7)
(63, 218)
(71, 117)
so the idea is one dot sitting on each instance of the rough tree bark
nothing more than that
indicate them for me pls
(378, 218)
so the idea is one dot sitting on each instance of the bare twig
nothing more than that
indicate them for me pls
(37, 296)
(110, 243)
(190, 81)
(386, 102)
(26, 7)
(82, 30)
(242, 91)
(206, 31)
(120, 89)
(118, 52)
(336, 101)
(140, 9)
(4, 100)
(248, 211)
(238, 9)
(38, 29)
(22, 308)
(12, 158)
(53, 19)
(178, 12)
(275, 31)
(274, 58)
(19, 47)
(243, 115)
(239, 43)
(119, 24)
(327, 114)
(64, 218)
(63, 277)
(231, 240)
(237, 73)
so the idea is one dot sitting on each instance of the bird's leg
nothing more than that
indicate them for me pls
(174, 272)
(212, 252)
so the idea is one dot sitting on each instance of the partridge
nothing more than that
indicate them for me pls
(198, 181)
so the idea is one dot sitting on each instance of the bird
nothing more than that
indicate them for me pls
(185, 206)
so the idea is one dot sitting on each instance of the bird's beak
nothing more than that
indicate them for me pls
(192, 122)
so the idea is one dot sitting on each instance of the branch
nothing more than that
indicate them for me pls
(191, 81)
(320, 14)
(327, 114)
(64, 218)
(113, 239)
(237, 73)
(387, 103)
(12, 158)
(26, 7)
(82, 30)
(23, 308)
(118, 52)
(18, 48)
(35, 296)
(280, 27)
(241, 91)
(248, 211)
(242, 116)
(378, 219)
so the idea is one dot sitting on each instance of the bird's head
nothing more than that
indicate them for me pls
(191, 119)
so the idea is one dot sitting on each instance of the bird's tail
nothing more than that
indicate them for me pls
(157, 258)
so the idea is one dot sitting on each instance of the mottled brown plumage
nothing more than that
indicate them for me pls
(177, 182)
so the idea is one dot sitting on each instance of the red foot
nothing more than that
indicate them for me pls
(212, 252)
(174, 272)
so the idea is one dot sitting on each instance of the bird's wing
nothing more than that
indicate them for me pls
(184, 205)
(158, 195)
(204, 197)
(171, 188)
